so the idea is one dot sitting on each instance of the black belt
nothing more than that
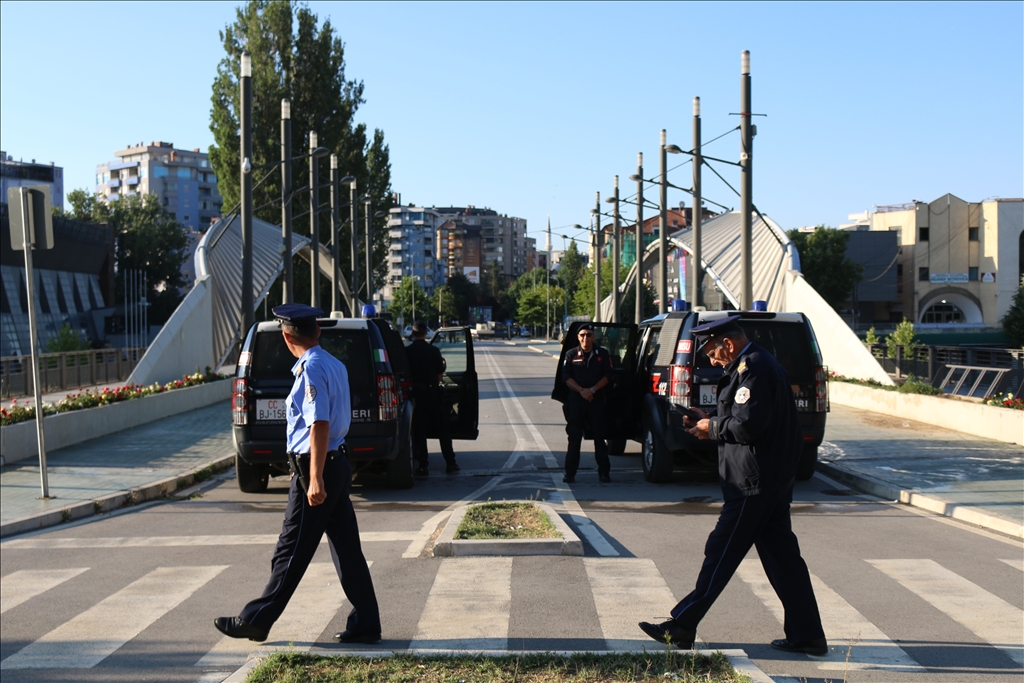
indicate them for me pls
(298, 463)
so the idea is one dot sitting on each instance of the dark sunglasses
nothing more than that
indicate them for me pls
(586, 334)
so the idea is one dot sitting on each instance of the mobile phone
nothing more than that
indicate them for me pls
(693, 415)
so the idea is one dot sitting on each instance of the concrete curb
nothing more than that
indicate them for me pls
(929, 502)
(738, 658)
(107, 503)
(568, 544)
(539, 350)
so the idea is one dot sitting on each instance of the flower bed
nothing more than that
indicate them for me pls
(93, 399)
(914, 385)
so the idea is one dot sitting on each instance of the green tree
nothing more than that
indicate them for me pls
(871, 337)
(410, 302)
(444, 301)
(582, 303)
(1013, 321)
(571, 269)
(296, 57)
(824, 263)
(533, 306)
(903, 336)
(66, 340)
(463, 293)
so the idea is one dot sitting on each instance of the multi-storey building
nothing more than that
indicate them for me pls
(413, 231)
(19, 173)
(181, 179)
(502, 239)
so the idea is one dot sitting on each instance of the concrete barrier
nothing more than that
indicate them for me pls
(18, 441)
(990, 422)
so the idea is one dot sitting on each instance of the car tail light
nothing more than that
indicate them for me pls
(387, 397)
(240, 403)
(680, 384)
(820, 389)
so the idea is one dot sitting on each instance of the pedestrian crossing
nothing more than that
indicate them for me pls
(469, 604)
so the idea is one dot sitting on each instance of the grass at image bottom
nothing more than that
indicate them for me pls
(505, 520)
(659, 664)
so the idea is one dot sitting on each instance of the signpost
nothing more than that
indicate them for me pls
(32, 228)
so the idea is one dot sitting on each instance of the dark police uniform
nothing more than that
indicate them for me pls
(587, 370)
(426, 364)
(756, 426)
(320, 392)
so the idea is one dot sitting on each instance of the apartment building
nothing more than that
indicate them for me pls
(20, 173)
(502, 240)
(181, 179)
(413, 251)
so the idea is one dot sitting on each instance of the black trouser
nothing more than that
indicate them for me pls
(304, 526)
(763, 521)
(430, 411)
(579, 414)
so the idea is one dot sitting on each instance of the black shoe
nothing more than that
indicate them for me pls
(422, 471)
(670, 632)
(236, 627)
(452, 468)
(604, 478)
(569, 479)
(818, 648)
(347, 636)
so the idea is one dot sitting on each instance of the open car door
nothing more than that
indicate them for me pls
(459, 385)
(619, 339)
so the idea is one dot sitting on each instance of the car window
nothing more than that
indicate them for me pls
(615, 340)
(650, 347)
(452, 345)
(273, 361)
(788, 342)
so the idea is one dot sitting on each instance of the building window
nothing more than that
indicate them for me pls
(972, 274)
(943, 313)
(159, 171)
(922, 234)
(972, 234)
(184, 172)
(899, 270)
(922, 274)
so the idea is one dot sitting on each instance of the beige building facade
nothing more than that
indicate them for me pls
(960, 262)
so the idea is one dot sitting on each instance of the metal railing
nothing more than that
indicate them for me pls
(934, 364)
(67, 371)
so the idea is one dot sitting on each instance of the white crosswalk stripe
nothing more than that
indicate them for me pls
(87, 639)
(1016, 564)
(627, 591)
(172, 541)
(991, 618)
(849, 633)
(26, 584)
(468, 606)
(314, 604)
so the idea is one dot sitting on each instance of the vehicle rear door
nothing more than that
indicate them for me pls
(459, 384)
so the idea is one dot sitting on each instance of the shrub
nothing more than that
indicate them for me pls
(871, 337)
(903, 336)
(913, 385)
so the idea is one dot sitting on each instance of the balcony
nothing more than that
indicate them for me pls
(114, 183)
(132, 180)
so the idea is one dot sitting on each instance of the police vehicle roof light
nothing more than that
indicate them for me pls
(369, 311)
(760, 306)
(679, 305)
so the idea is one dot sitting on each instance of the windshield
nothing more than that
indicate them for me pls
(273, 361)
(788, 342)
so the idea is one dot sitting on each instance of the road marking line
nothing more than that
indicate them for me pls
(561, 498)
(26, 584)
(89, 638)
(1016, 564)
(171, 541)
(845, 627)
(627, 591)
(991, 618)
(468, 606)
(314, 604)
(422, 537)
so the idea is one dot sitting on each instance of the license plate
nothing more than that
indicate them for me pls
(708, 394)
(271, 410)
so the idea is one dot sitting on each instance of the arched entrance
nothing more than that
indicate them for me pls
(950, 308)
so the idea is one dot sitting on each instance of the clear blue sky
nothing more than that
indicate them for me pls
(530, 108)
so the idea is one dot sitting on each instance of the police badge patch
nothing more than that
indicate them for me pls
(310, 393)
(743, 395)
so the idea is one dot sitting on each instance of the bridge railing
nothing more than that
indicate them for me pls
(67, 371)
(946, 366)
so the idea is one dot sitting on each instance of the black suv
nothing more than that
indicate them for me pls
(378, 375)
(656, 365)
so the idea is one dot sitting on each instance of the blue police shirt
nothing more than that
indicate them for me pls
(320, 392)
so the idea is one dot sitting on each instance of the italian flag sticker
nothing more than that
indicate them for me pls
(380, 355)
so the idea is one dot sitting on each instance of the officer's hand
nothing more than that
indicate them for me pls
(700, 430)
(316, 494)
(587, 394)
(690, 421)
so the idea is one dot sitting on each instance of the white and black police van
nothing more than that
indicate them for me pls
(657, 366)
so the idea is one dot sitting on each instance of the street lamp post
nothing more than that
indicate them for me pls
(597, 258)
(335, 228)
(638, 285)
(245, 123)
(696, 278)
(746, 184)
(354, 246)
(367, 204)
(288, 285)
(614, 200)
(314, 221)
(663, 227)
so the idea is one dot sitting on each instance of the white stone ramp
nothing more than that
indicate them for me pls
(854, 642)
(21, 586)
(89, 638)
(991, 618)
(314, 604)
(468, 606)
(627, 591)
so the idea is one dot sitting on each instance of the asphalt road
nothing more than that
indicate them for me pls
(905, 596)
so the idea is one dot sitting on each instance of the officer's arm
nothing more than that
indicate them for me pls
(606, 374)
(747, 422)
(318, 438)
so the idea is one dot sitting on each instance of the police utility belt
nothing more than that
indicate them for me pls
(298, 463)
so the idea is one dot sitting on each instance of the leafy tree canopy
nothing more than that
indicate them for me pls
(824, 263)
(66, 340)
(903, 336)
(571, 268)
(583, 301)
(410, 302)
(1013, 322)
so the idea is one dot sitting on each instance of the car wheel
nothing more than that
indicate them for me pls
(400, 469)
(616, 446)
(807, 464)
(251, 478)
(657, 460)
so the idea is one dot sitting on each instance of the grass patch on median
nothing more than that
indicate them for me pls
(538, 668)
(505, 520)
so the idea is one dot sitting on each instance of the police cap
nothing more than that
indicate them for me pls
(715, 329)
(585, 326)
(299, 315)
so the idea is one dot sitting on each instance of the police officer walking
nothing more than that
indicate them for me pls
(427, 367)
(759, 443)
(319, 413)
(586, 370)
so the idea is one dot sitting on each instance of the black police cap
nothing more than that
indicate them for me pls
(586, 326)
(297, 314)
(715, 329)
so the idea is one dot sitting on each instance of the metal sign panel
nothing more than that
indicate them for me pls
(40, 216)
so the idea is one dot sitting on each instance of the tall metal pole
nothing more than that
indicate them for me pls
(354, 246)
(287, 283)
(696, 273)
(245, 122)
(33, 344)
(746, 185)
(597, 259)
(639, 284)
(368, 208)
(314, 222)
(335, 237)
(663, 228)
(616, 253)
(547, 278)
